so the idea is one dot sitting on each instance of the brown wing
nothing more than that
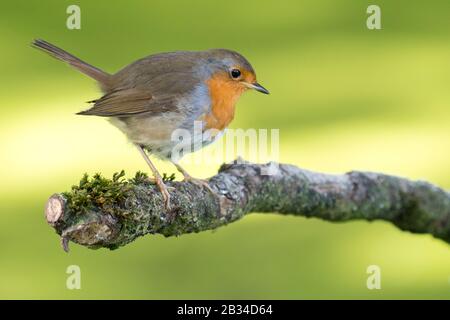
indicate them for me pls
(150, 85)
(120, 103)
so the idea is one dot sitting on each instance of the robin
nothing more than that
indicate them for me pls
(151, 97)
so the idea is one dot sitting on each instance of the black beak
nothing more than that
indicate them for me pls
(259, 88)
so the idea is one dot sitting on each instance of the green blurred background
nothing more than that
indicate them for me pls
(343, 97)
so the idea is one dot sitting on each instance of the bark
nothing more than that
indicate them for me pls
(111, 213)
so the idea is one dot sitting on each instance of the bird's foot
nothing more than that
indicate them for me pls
(196, 181)
(199, 182)
(153, 180)
(164, 191)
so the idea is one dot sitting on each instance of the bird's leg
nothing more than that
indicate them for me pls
(189, 178)
(158, 179)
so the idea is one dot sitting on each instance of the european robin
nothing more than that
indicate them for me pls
(153, 96)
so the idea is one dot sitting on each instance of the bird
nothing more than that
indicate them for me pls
(149, 99)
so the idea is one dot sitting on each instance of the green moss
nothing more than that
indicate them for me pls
(139, 178)
(107, 195)
(99, 192)
(166, 177)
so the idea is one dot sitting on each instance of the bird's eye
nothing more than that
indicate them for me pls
(235, 73)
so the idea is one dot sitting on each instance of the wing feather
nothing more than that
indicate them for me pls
(151, 85)
(120, 103)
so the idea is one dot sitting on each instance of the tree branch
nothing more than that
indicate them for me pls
(111, 213)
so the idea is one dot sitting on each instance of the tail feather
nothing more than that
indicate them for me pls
(58, 53)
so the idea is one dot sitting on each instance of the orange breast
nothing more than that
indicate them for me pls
(224, 94)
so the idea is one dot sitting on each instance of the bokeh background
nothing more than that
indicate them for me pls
(344, 97)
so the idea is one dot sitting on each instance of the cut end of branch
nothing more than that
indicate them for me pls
(54, 209)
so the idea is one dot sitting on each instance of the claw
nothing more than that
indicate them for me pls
(189, 178)
(199, 182)
(165, 193)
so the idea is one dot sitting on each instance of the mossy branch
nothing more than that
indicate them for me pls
(110, 213)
